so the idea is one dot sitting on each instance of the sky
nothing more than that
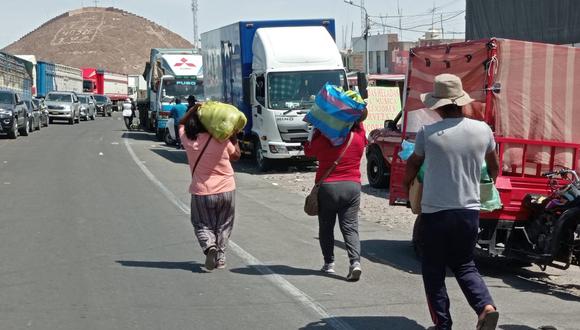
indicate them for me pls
(17, 20)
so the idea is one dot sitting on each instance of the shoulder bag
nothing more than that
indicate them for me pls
(311, 202)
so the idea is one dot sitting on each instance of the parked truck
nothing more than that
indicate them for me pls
(272, 70)
(15, 87)
(57, 77)
(137, 87)
(30, 63)
(170, 74)
(525, 92)
(112, 85)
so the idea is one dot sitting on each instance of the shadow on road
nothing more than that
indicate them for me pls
(515, 327)
(396, 254)
(183, 265)
(382, 193)
(247, 165)
(138, 135)
(369, 322)
(283, 270)
(173, 155)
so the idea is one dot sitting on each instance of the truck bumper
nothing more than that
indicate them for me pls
(282, 150)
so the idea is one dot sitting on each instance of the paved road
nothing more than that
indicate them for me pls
(94, 234)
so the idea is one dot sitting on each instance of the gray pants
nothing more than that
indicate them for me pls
(340, 199)
(212, 217)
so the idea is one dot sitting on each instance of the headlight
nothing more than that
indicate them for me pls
(276, 149)
(5, 113)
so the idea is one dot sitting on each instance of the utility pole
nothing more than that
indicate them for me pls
(365, 31)
(194, 8)
(400, 13)
(442, 31)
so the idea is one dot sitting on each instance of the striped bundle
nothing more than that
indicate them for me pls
(334, 112)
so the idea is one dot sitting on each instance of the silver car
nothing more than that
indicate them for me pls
(88, 108)
(63, 106)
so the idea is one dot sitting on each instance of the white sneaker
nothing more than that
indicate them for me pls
(328, 268)
(354, 272)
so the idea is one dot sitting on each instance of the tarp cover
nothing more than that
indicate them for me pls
(550, 21)
(538, 84)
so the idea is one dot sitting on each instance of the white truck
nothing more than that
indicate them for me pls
(170, 74)
(272, 71)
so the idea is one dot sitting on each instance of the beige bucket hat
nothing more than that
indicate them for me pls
(447, 89)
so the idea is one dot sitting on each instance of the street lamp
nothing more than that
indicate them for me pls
(365, 34)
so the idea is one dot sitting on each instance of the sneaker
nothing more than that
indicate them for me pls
(210, 256)
(328, 268)
(354, 272)
(220, 264)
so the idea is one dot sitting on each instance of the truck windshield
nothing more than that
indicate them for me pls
(297, 90)
(182, 88)
(59, 98)
(6, 98)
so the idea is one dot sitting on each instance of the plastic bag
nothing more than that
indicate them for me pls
(221, 120)
(335, 112)
(489, 197)
(407, 149)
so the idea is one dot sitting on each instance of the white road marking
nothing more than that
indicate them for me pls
(114, 143)
(249, 259)
(100, 153)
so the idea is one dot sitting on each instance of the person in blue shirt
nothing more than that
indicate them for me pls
(177, 112)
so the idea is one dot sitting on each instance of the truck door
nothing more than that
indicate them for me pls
(258, 92)
(227, 74)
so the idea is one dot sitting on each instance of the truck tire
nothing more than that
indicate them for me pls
(262, 163)
(377, 172)
(13, 133)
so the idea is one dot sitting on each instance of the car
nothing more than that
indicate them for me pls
(104, 105)
(63, 106)
(33, 115)
(13, 115)
(87, 106)
(39, 102)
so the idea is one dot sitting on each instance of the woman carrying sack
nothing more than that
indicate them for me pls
(212, 186)
(339, 178)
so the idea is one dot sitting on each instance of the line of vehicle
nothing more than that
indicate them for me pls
(279, 281)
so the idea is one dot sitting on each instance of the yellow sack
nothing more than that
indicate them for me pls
(221, 120)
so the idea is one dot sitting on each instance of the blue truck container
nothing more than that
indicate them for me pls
(45, 76)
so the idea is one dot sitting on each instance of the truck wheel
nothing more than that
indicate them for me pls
(377, 172)
(262, 163)
(416, 239)
(167, 138)
(13, 133)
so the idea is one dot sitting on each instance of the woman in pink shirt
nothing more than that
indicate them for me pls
(212, 187)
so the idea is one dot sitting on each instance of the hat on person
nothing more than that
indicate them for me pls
(447, 89)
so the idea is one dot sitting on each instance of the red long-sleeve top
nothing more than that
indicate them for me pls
(348, 169)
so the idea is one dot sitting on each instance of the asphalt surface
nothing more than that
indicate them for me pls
(95, 234)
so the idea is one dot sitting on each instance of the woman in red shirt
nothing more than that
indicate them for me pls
(339, 195)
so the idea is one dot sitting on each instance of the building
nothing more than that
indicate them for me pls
(386, 54)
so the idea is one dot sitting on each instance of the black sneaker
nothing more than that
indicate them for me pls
(210, 258)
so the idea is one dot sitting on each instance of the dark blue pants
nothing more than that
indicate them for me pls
(449, 239)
